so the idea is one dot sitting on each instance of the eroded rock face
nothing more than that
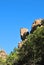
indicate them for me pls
(39, 22)
(23, 33)
(3, 54)
(21, 43)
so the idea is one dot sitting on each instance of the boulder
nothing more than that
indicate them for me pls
(37, 22)
(23, 33)
(3, 54)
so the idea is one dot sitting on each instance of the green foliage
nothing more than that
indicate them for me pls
(31, 53)
(2, 62)
(12, 57)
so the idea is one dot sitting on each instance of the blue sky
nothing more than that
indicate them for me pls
(15, 14)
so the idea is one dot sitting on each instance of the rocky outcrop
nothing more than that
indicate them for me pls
(20, 44)
(39, 22)
(23, 33)
(3, 54)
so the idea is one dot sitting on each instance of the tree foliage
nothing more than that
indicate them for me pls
(31, 52)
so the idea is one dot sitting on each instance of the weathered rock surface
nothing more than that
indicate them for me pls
(21, 43)
(23, 33)
(3, 54)
(39, 22)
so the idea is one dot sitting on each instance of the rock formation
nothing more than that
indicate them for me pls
(3, 54)
(39, 22)
(20, 44)
(23, 33)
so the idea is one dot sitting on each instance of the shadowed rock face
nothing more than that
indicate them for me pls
(23, 33)
(39, 22)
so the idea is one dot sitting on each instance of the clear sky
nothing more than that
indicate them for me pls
(15, 14)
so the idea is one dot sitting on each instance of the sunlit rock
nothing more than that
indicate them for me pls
(23, 33)
(37, 23)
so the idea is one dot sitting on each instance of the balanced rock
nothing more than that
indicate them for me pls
(23, 33)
